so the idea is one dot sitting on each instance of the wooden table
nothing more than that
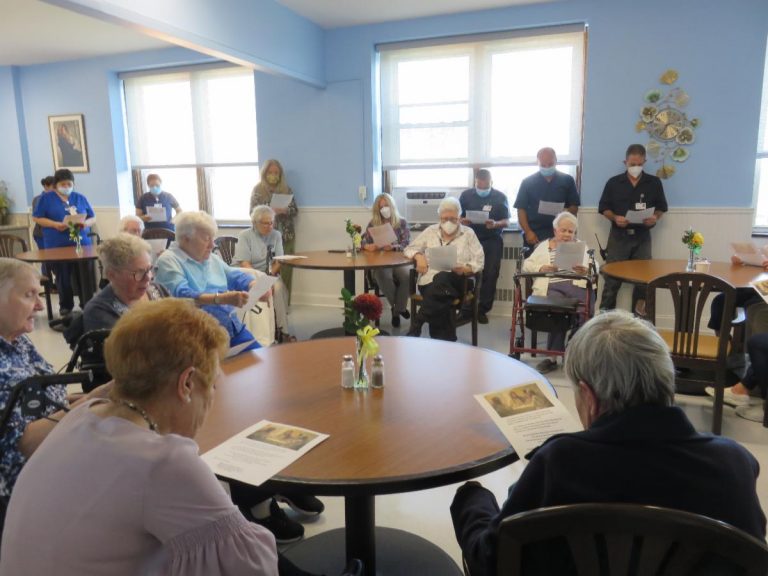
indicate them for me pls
(643, 271)
(68, 255)
(423, 430)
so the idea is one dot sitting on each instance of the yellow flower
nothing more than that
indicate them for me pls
(697, 239)
(367, 336)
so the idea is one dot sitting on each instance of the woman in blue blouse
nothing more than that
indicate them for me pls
(50, 213)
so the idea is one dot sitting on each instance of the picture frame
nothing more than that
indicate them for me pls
(68, 142)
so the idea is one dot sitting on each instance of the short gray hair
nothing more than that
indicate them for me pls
(449, 203)
(10, 270)
(259, 211)
(118, 252)
(131, 218)
(188, 224)
(624, 360)
(565, 215)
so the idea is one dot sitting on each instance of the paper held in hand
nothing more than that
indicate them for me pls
(760, 284)
(259, 452)
(477, 216)
(281, 200)
(263, 284)
(442, 258)
(551, 208)
(76, 218)
(570, 254)
(235, 350)
(637, 216)
(527, 415)
(156, 214)
(383, 235)
(749, 253)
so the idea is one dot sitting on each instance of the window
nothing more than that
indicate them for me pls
(761, 167)
(493, 101)
(196, 128)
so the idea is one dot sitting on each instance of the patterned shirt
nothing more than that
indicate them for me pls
(284, 223)
(402, 232)
(19, 360)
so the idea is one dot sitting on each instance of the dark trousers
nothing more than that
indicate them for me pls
(436, 306)
(757, 373)
(625, 246)
(65, 274)
(745, 297)
(556, 340)
(492, 248)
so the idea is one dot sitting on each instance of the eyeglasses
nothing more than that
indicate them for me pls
(139, 275)
(269, 223)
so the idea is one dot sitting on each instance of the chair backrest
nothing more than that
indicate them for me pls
(623, 539)
(690, 292)
(11, 245)
(89, 355)
(159, 234)
(226, 247)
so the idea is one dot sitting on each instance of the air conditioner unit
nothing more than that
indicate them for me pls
(421, 206)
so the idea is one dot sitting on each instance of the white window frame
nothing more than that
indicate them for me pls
(762, 154)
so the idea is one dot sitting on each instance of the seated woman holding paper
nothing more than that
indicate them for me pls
(189, 269)
(386, 220)
(440, 286)
(543, 260)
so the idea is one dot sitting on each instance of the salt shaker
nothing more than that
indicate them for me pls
(347, 371)
(377, 372)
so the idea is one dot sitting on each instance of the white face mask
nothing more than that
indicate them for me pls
(385, 212)
(635, 171)
(64, 190)
(449, 227)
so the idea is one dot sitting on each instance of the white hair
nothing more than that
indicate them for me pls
(10, 271)
(449, 203)
(259, 211)
(118, 252)
(131, 218)
(624, 360)
(565, 215)
(188, 224)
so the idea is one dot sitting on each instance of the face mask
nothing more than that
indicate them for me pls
(635, 171)
(272, 179)
(547, 172)
(449, 227)
(483, 192)
(65, 190)
(385, 212)
(155, 190)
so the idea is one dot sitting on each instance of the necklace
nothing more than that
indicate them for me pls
(140, 411)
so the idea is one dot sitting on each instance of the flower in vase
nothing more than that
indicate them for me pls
(693, 240)
(75, 231)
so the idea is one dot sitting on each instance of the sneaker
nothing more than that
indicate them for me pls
(283, 528)
(482, 318)
(753, 413)
(395, 319)
(303, 503)
(546, 366)
(730, 398)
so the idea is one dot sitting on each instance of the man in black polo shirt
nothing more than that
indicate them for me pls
(542, 196)
(632, 191)
(483, 198)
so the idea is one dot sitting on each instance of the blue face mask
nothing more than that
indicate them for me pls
(547, 172)
(483, 192)
(155, 190)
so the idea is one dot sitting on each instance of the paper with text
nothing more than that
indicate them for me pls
(383, 235)
(527, 414)
(281, 200)
(442, 258)
(477, 216)
(749, 253)
(156, 214)
(637, 216)
(551, 208)
(76, 218)
(259, 452)
(263, 284)
(570, 254)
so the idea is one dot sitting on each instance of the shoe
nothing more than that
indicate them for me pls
(753, 413)
(303, 503)
(730, 398)
(354, 568)
(463, 318)
(283, 528)
(482, 318)
(395, 319)
(405, 314)
(546, 366)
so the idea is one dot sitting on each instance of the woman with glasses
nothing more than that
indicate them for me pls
(127, 262)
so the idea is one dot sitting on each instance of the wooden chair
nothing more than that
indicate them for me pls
(702, 357)
(627, 539)
(11, 245)
(470, 295)
(225, 246)
(159, 234)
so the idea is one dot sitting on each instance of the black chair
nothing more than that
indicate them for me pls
(159, 234)
(88, 355)
(11, 245)
(225, 246)
(623, 540)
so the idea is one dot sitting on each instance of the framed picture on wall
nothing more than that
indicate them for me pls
(68, 142)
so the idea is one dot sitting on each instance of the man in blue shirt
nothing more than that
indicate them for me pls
(157, 197)
(483, 198)
(542, 196)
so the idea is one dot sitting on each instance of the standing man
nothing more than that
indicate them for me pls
(631, 192)
(156, 197)
(542, 196)
(483, 198)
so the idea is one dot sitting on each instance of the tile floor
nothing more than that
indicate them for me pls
(426, 512)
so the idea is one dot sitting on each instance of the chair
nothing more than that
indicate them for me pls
(88, 355)
(11, 245)
(629, 539)
(699, 358)
(469, 295)
(225, 246)
(159, 234)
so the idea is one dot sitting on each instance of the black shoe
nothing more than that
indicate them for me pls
(395, 319)
(482, 318)
(405, 314)
(464, 318)
(303, 503)
(283, 528)
(546, 366)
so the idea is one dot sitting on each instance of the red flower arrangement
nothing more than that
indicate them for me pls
(360, 311)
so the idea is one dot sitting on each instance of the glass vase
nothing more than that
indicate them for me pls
(691, 266)
(361, 381)
(78, 245)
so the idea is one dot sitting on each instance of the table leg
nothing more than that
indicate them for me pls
(360, 516)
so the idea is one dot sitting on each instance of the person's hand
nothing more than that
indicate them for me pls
(280, 211)
(462, 270)
(736, 260)
(61, 227)
(388, 248)
(421, 264)
(465, 221)
(233, 298)
(275, 268)
(370, 247)
(650, 222)
(765, 265)
(490, 224)
(265, 297)
(580, 270)
(620, 221)
(548, 268)
(146, 217)
(531, 238)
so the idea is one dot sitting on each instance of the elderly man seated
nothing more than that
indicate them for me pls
(440, 288)
(636, 448)
(189, 269)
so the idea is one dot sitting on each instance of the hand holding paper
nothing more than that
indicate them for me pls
(281, 201)
(568, 255)
(260, 286)
(76, 218)
(477, 216)
(383, 235)
(638, 216)
(749, 253)
(442, 258)
(156, 214)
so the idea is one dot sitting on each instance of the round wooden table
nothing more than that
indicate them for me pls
(643, 271)
(86, 274)
(423, 430)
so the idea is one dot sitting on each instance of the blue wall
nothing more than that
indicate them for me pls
(12, 163)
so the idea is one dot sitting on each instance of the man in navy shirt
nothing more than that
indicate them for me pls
(542, 196)
(483, 198)
(630, 192)
(157, 197)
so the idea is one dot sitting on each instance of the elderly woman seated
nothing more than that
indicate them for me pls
(256, 248)
(189, 269)
(132, 224)
(543, 260)
(440, 287)
(19, 302)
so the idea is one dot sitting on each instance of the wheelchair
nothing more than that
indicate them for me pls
(547, 313)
